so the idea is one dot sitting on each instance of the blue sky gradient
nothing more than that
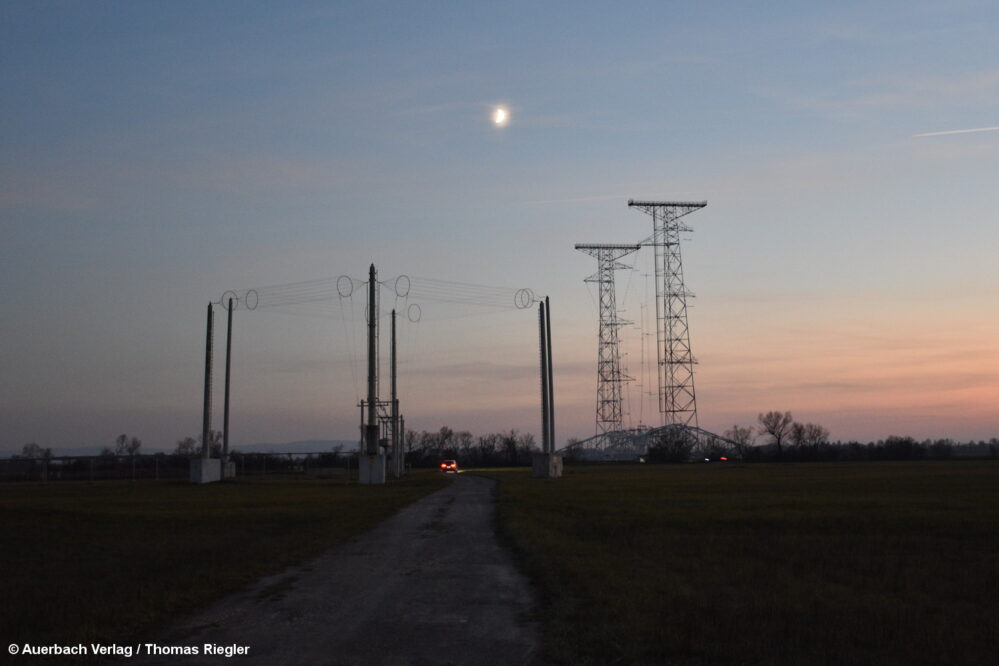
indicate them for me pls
(158, 153)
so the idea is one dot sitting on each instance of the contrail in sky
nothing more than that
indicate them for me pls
(961, 131)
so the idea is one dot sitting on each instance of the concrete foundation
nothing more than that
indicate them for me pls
(546, 466)
(371, 469)
(206, 470)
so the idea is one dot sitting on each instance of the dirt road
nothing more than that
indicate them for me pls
(430, 585)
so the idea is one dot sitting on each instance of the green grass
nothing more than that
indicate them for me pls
(872, 563)
(110, 561)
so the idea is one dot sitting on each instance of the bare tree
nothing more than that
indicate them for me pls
(743, 439)
(186, 447)
(214, 443)
(526, 444)
(796, 435)
(190, 446)
(777, 425)
(509, 443)
(815, 435)
(121, 445)
(806, 437)
(427, 443)
(445, 438)
(32, 450)
(465, 441)
(487, 447)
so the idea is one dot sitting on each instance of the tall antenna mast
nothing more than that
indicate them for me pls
(609, 377)
(371, 430)
(370, 462)
(677, 401)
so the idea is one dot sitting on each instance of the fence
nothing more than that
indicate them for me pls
(161, 466)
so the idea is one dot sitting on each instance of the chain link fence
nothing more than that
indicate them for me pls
(163, 467)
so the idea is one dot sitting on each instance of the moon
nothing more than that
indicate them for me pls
(501, 116)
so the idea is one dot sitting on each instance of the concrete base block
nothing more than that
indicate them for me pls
(229, 470)
(206, 470)
(546, 466)
(371, 469)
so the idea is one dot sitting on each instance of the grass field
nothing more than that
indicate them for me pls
(110, 561)
(869, 563)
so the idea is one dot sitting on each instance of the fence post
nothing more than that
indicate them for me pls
(91, 470)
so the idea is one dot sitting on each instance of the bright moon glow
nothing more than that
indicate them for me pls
(501, 116)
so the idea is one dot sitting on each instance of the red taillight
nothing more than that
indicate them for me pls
(724, 458)
(443, 466)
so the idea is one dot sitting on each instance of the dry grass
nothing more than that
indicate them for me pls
(869, 563)
(111, 561)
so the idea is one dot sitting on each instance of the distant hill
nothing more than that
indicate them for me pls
(68, 451)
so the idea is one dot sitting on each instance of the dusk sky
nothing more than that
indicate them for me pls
(156, 154)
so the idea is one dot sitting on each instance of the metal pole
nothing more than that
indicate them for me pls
(402, 444)
(225, 418)
(545, 431)
(395, 408)
(551, 379)
(206, 424)
(372, 427)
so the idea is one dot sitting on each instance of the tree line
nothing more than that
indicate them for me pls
(509, 448)
(775, 437)
(778, 437)
(123, 446)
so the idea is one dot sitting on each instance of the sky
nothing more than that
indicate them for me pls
(157, 154)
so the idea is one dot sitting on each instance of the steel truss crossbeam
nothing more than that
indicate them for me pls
(634, 443)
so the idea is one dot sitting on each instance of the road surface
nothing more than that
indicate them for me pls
(430, 585)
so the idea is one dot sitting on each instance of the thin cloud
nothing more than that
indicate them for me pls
(599, 198)
(959, 131)
(861, 96)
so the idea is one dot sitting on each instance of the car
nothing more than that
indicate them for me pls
(449, 466)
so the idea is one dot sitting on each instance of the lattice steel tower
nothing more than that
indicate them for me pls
(677, 400)
(609, 375)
